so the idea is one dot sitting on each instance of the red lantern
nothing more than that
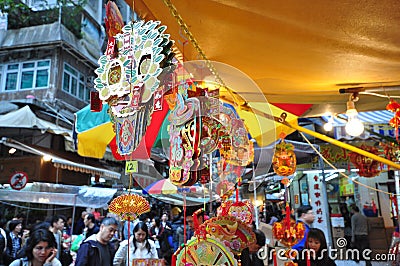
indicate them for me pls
(366, 166)
(284, 160)
(288, 235)
(394, 107)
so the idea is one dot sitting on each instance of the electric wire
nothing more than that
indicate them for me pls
(343, 174)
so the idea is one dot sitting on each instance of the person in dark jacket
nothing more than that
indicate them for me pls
(14, 241)
(97, 249)
(249, 255)
(2, 247)
(306, 216)
(91, 226)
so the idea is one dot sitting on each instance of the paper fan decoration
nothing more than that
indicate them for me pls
(129, 206)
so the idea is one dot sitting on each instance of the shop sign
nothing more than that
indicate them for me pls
(316, 201)
(18, 180)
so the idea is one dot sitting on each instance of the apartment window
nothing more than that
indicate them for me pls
(25, 75)
(74, 83)
(11, 77)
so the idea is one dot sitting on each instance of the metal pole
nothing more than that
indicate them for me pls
(342, 145)
(325, 200)
(210, 209)
(255, 197)
(325, 138)
(57, 175)
(60, 13)
(73, 216)
(397, 185)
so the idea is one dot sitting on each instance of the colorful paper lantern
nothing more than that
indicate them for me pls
(284, 159)
(366, 166)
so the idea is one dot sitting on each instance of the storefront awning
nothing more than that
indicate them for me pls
(25, 118)
(60, 162)
(58, 194)
(65, 164)
(374, 121)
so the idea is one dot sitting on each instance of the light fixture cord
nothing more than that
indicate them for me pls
(196, 45)
(341, 173)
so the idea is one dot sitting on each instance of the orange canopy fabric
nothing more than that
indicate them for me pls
(298, 52)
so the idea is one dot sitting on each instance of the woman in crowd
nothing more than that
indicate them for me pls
(140, 247)
(14, 241)
(156, 232)
(40, 250)
(317, 249)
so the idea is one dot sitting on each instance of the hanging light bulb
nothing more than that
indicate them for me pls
(354, 126)
(328, 126)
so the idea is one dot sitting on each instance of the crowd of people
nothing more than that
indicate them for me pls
(93, 240)
(106, 241)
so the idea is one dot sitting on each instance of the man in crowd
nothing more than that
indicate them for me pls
(91, 227)
(249, 255)
(359, 231)
(164, 221)
(97, 249)
(56, 227)
(306, 216)
(80, 224)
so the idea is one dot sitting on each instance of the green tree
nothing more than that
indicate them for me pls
(20, 15)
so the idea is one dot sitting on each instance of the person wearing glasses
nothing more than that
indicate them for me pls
(306, 216)
(41, 250)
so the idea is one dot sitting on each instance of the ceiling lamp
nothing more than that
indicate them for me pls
(354, 126)
(328, 126)
(47, 157)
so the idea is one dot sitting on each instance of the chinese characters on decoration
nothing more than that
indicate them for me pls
(316, 192)
(284, 159)
(201, 124)
(290, 234)
(366, 166)
(129, 206)
(127, 78)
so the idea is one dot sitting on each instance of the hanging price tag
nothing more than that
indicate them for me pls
(131, 167)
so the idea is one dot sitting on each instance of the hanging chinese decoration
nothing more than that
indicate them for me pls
(224, 187)
(235, 234)
(129, 206)
(288, 232)
(242, 210)
(200, 124)
(284, 159)
(209, 251)
(366, 166)
(394, 107)
(128, 79)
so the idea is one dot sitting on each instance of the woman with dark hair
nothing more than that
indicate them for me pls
(14, 241)
(40, 250)
(156, 232)
(316, 250)
(140, 246)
